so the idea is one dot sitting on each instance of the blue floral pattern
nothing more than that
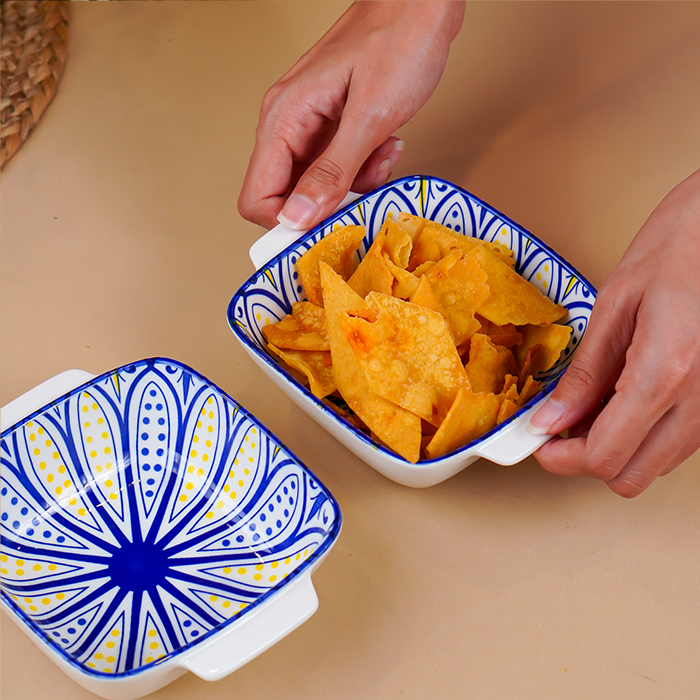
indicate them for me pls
(144, 511)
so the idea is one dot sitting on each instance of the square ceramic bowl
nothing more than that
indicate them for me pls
(151, 526)
(269, 294)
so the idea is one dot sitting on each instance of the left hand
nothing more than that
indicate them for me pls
(631, 396)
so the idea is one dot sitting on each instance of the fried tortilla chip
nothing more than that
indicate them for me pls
(530, 389)
(488, 365)
(513, 299)
(470, 416)
(372, 274)
(407, 355)
(424, 267)
(397, 243)
(395, 426)
(435, 241)
(507, 409)
(304, 329)
(510, 383)
(405, 283)
(425, 296)
(552, 339)
(460, 288)
(315, 365)
(508, 336)
(411, 223)
(525, 367)
(336, 250)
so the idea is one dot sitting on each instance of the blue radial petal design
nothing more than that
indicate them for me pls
(144, 511)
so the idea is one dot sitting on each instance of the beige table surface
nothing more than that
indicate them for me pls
(121, 240)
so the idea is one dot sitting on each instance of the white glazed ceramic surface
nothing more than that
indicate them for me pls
(150, 526)
(269, 294)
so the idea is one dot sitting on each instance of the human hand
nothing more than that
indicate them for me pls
(328, 124)
(631, 396)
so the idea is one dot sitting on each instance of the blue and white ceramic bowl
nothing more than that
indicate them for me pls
(150, 526)
(269, 294)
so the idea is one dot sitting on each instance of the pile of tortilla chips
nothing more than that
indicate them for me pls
(431, 341)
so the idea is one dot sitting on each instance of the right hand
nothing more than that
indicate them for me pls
(327, 125)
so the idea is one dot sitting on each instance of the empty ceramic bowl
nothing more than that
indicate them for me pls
(151, 525)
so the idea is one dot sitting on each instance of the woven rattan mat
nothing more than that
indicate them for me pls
(32, 58)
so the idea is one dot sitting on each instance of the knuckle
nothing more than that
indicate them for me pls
(580, 373)
(679, 371)
(271, 97)
(604, 464)
(327, 174)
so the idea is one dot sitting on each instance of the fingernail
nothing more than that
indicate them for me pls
(383, 172)
(297, 212)
(389, 163)
(546, 418)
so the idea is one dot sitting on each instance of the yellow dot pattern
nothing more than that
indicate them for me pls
(224, 606)
(242, 474)
(41, 604)
(105, 657)
(265, 574)
(14, 569)
(50, 468)
(200, 453)
(153, 647)
(100, 451)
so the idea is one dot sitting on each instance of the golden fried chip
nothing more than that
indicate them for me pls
(349, 417)
(488, 365)
(513, 299)
(424, 267)
(304, 329)
(425, 296)
(397, 243)
(525, 367)
(435, 241)
(507, 409)
(405, 283)
(508, 336)
(510, 384)
(311, 317)
(407, 355)
(530, 389)
(460, 288)
(315, 365)
(395, 426)
(411, 223)
(553, 340)
(372, 274)
(336, 250)
(470, 416)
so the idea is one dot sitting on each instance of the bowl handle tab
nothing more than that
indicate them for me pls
(257, 631)
(42, 394)
(280, 237)
(519, 443)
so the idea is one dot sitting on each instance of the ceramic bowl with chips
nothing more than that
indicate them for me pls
(269, 294)
(151, 526)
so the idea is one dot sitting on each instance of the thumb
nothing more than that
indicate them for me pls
(593, 371)
(328, 179)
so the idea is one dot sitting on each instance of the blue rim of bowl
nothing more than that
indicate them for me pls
(245, 339)
(275, 590)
